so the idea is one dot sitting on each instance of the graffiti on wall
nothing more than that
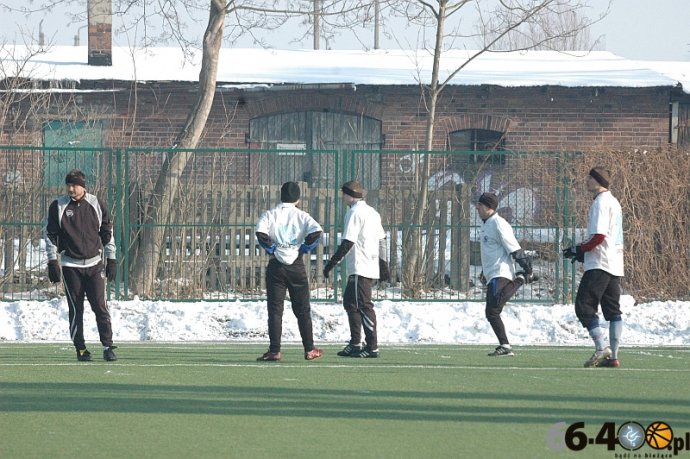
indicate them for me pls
(519, 206)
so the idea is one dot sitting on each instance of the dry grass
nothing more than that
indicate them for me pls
(653, 187)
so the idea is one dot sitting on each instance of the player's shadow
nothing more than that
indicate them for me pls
(326, 403)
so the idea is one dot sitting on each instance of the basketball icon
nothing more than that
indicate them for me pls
(659, 435)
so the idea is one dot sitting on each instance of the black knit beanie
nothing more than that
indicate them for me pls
(75, 177)
(490, 200)
(289, 192)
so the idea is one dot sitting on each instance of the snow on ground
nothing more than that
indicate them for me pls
(655, 323)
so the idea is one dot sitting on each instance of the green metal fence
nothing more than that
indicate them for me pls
(206, 246)
(533, 197)
(188, 233)
(32, 177)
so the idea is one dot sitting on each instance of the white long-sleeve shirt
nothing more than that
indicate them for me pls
(497, 243)
(363, 228)
(287, 226)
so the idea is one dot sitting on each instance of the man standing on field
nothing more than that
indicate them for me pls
(602, 254)
(364, 248)
(499, 250)
(80, 230)
(286, 233)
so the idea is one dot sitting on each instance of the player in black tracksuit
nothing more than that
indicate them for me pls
(79, 228)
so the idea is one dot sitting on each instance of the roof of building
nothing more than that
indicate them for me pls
(247, 67)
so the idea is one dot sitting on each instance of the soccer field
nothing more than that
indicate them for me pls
(184, 400)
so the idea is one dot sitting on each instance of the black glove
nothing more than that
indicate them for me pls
(528, 277)
(482, 279)
(111, 269)
(384, 272)
(54, 273)
(569, 253)
(327, 269)
(575, 254)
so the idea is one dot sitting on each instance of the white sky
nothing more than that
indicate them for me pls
(647, 29)
(635, 29)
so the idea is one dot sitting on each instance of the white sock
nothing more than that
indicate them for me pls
(597, 335)
(615, 332)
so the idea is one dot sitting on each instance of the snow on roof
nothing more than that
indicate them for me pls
(256, 66)
(679, 71)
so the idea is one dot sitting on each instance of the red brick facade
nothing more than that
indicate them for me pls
(541, 118)
(100, 21)
(533, 119)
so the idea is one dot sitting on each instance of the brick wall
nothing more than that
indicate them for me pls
(100, 42)
(545, 118)
(534, 119)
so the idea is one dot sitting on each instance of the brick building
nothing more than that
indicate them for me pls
(303, 102)
(343, 100)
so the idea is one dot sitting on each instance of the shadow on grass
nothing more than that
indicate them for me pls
(326, 403)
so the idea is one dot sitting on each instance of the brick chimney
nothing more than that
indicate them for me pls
(100, 32)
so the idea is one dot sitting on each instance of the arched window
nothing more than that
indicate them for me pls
(478, 140)
(299, 133)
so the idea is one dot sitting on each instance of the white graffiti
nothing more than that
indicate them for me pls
(519, 206)
(442, 178)
(408, 163)
(12, 177)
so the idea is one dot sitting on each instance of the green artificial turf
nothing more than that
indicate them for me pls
(416, 401)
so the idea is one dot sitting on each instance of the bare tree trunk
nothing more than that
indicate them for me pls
(317, 18)
(505, 20)
(165, 192)
(412, 271)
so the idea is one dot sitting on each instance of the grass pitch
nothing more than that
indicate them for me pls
(214, 400)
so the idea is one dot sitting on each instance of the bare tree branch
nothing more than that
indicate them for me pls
(546, 23)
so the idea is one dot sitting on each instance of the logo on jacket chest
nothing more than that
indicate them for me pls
(69, 212)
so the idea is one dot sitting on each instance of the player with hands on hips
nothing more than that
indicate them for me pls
(286, 233)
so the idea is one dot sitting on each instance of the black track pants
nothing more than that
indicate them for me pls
(597, 286)
(291, 278)
(89, 283)
(360, 310)
(499, 291)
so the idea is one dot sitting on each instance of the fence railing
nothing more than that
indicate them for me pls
(207, 249)
(32, 177)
